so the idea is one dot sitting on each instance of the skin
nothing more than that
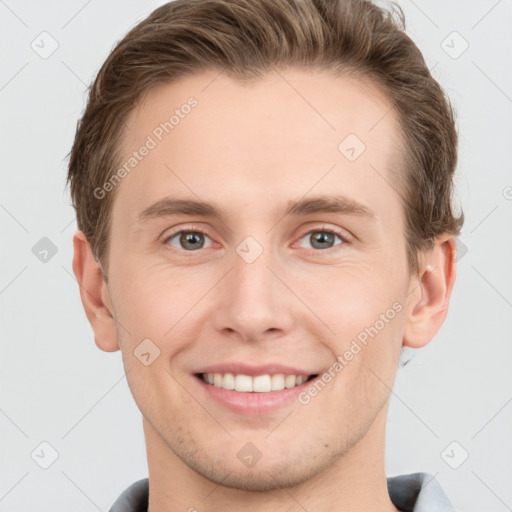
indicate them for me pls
(250, 148)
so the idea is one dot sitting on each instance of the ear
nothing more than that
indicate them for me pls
(430, 297)
(94, 294)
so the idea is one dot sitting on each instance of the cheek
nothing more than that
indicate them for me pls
(159, 312)
(152, 301)
(367, 315)
(354, 298)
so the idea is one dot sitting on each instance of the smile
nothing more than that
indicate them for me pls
(254, 384)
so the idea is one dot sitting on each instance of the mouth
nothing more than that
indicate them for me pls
(249, 391)
(265, 383)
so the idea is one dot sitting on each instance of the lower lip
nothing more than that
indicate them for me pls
(252, 403)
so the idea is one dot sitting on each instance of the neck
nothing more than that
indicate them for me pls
(356, 482)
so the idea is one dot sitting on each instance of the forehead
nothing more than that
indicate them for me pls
(275, 137)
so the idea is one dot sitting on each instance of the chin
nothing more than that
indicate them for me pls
(263, 479)
(265, 475)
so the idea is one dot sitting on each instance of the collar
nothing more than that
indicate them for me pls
(414, 492)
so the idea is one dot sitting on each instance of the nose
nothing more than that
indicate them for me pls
(254, 303)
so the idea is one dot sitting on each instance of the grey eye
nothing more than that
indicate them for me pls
(188, 240)
(321, 239)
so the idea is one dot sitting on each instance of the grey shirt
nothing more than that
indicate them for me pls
(415, 492)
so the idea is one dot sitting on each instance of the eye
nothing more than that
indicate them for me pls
(322, 239)
(191, 240)
(194, 239)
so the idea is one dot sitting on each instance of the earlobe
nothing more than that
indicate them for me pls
(430, 298)
(94, 294)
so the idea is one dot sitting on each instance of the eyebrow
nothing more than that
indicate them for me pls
(169, 207)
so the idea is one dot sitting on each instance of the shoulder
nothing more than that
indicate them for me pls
(133, 499)
(414, 492)
(418, 492)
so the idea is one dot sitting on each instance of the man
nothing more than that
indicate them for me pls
(263, 199)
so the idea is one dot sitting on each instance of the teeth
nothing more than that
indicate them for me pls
(217, 380)
(277, 382)
(242, 382)
(228, 382)
(289, 381)
(258, 384)
(262, 384)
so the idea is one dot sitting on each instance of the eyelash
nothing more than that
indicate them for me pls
(343, 237)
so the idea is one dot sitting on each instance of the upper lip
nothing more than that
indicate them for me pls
(253, 370)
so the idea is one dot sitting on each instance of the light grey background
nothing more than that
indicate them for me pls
(58, 387)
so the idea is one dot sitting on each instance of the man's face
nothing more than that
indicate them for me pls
(258, 291)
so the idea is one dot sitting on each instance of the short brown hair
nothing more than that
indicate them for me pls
(245, 38)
